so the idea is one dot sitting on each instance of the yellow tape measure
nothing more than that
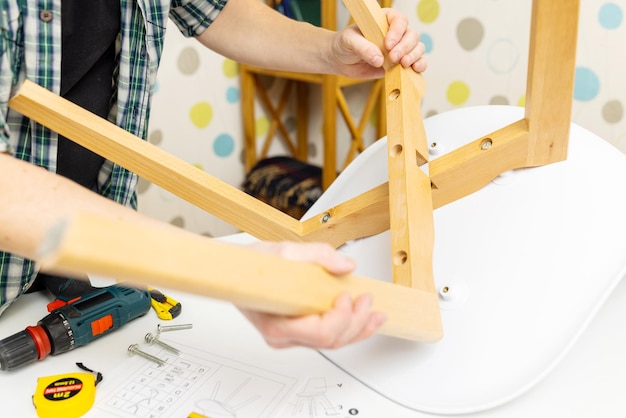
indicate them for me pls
(68, 395)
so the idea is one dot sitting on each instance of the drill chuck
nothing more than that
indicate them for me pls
(18, 350)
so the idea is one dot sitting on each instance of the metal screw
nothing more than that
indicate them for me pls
(151, 339)
(326, 218)
(486, 144)
(134, 349)
(166, 328)
(435, 149)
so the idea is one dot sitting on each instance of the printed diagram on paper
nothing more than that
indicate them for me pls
(215, 386)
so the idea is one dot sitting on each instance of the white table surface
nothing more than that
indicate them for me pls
(589, 382)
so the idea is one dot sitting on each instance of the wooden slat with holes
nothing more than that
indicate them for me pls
(410, 197)
(160, 257)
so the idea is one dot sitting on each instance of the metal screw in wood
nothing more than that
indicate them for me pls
(167, 328)
(134, 350)
(152, 339)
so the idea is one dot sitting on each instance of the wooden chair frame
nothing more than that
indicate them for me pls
(404, 205)
(333, 99)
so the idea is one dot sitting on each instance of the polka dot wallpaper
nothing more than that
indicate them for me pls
(477, 53)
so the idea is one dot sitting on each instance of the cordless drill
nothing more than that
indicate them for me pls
(74, 321)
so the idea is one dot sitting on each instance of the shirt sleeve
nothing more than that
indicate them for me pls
(192, 17)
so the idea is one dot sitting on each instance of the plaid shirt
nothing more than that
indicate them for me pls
(30, 48)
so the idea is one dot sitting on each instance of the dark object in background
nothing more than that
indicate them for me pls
(285, 183)
(302, 10)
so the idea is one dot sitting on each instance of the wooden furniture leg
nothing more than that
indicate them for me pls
(410, 196)
(247, 86)
(542, 136)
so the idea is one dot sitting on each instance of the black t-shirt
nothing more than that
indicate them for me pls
(89, 32)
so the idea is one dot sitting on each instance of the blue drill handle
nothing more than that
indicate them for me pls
(97, 313)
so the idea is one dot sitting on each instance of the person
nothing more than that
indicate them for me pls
(104, 56)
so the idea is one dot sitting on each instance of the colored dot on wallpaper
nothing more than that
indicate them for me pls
(143, 186)
(232, 95)
(201, 114)
(427, 40)
(469, 33)
(458, 93)
(230, 68)
(610, 16)
(178, 221)
(198, 166)
(188, 61)
(522, 101)
(155, 137)
(262, 124)
(224, 145)
(499, 100)
(613, 111)
(428, 10)
(586, 85)
(502, 56)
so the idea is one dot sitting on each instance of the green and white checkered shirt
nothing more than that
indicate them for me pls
(30, 48)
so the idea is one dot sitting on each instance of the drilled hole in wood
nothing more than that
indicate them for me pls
(394, 94)
(396, 150)
(400, 258)
(486, 144)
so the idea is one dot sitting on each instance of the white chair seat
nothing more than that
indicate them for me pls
(528, 260)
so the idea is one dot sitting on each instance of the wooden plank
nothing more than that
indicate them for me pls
(410, 197)
(371, 21)
(330, 89)
(168, 258)
(550, 83)
(155, 165)
(247, 89)
(472, 166)
(365, 215)
(346, 221)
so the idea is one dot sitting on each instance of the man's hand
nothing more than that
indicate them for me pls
(356, 57)
(348, 322)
